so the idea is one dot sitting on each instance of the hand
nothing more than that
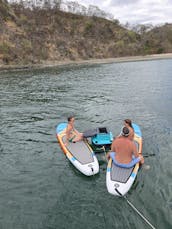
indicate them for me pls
(108, 155)
(66, 144)
(141, 159)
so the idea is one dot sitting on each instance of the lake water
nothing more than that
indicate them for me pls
(39, 188)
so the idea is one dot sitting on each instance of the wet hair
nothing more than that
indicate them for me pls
(129, 122)
(125, 131)
(69, 118)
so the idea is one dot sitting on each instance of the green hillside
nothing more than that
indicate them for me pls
(32, 36)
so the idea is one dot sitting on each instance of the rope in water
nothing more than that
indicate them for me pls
(139, 213)
(136, 210)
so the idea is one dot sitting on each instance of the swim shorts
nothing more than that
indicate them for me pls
(134, 161)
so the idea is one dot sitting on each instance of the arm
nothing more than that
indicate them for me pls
(77, 132)
(132, 133)
(112, 150)
(136, 154)
(68, 129)
(135, 151)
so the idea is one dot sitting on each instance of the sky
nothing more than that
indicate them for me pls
(135, 11)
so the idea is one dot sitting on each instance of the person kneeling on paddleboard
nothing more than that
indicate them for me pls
(124, 152)
(72, 135)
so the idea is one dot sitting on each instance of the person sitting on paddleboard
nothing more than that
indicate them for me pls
(128, 124)
(72, 135)
(124, 152)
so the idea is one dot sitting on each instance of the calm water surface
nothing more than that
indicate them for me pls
(39, 188)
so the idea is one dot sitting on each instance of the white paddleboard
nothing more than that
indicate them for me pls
(79, 154)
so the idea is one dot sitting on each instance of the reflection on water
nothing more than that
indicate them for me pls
(40, 188)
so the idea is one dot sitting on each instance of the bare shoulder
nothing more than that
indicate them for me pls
(118, 138)
(68, 127)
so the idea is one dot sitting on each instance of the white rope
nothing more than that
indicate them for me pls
(105, 153)
(139, 213)
(136, 210)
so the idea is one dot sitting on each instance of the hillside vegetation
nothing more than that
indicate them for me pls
(34, 36)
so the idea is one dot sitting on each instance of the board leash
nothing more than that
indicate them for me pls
(105, 153)
(135, 209)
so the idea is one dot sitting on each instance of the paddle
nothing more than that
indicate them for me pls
(149, 155)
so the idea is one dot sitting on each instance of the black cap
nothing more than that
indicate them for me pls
(125, 131)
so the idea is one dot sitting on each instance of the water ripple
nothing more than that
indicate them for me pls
(39, 186)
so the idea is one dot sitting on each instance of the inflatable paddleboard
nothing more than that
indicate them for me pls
(119, 180)
(79, 154)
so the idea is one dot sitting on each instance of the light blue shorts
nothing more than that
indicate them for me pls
(129, 165)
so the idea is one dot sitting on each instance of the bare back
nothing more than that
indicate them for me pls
(124, 149)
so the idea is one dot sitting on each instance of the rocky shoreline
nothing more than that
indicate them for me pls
(82, 62)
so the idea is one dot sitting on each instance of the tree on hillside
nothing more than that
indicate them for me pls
(57, 4)
(97, 12)
(76, 8)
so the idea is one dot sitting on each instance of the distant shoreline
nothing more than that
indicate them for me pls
(90, 61)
